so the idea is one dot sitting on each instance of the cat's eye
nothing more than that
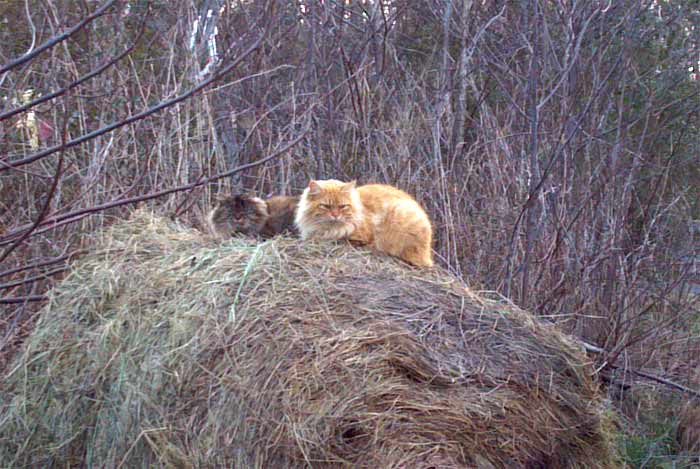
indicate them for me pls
(343, 206)
(325, 206)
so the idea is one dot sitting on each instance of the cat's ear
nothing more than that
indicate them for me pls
(314, 188)
(350, 185)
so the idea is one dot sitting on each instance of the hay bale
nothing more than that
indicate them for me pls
(165, 349)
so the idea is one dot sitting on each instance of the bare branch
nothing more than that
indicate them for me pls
(39, 264)
(44, 209)
(10, 300)
(43, 276)
(595, 349)
(141, 115)
(154, 195)
(79, 81)
(56, 39)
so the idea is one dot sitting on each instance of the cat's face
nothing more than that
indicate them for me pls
(244, 214)
(332, 202)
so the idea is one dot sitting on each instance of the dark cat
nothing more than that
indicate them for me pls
(252, 216)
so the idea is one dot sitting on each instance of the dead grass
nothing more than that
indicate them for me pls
(164, 349)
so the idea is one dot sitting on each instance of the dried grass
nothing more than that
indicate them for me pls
(166, 349)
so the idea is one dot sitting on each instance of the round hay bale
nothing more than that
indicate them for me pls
(164, 349)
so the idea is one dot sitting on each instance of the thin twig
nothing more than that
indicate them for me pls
(45, 209)
(25, 281)
(9, 300)
(17, 317)
(56, 39)
(153, 195)
(79, 81)
(136, 117)
(38, 264)
(595, 349)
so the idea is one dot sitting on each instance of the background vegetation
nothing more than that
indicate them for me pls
(554, 143)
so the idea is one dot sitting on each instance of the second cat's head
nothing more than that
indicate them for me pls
(239, 213)
(329, 203)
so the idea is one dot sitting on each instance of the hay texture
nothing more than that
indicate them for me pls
(165, 349)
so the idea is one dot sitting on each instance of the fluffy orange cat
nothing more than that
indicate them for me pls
(378, 215)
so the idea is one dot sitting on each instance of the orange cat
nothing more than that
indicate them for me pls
(381, 216)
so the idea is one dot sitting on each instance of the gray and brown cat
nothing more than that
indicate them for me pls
(252, 216)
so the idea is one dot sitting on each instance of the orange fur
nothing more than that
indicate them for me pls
(381, 216)
(280, 209)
